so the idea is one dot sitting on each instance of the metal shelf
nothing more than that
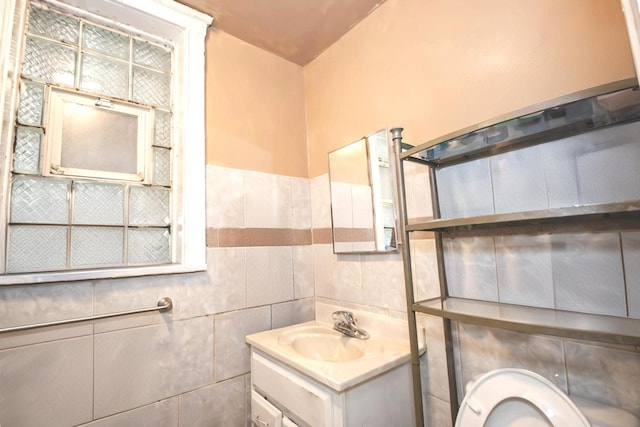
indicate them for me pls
(608, 105)
(614, 213)
(527, 319)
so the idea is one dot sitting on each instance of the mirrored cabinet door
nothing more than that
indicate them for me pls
(363, 196)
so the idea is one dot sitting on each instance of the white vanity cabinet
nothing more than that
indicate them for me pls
(384, 400)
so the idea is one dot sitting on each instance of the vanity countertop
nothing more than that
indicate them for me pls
(387, 348)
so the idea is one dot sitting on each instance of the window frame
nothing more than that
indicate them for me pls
(53, 151)
(160, 21)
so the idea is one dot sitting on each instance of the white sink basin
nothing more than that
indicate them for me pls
(322, 343)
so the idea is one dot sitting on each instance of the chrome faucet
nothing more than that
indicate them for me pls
(343, 321)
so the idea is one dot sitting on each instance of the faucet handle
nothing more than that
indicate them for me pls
(344, 316)
(343, 321)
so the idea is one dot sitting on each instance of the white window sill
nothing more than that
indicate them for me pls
(106, 273)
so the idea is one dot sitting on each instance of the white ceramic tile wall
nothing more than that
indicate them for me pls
(292, 312)
(168, 359)
(301, 203)
(607, 165)
(436, 412)
(303, 272)
(425, 269)
(320, 202)
(470, 265)
(47, 384)
(232, 354)
(267, 200)
(417, 191)
(608, 375)
(196, 295)
(269, 275)
(560, 174)
(220, 405)
(23, 305)
(226, 268)
(225, 197)
(35, 336)
(518, 181)
(434, 361)
(524, 270)
(323, 266)
(587, 273)
(383, 281)
(336, 277)
(466, 190)
(161, 414)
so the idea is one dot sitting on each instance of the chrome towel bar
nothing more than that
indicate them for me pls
(164, 304)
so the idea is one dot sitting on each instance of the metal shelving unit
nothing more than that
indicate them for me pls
(605, 106)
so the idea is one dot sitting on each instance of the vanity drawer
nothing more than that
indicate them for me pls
(302, 398)
(263, 413)
(286, 422)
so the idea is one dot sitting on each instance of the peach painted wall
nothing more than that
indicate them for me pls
(435, 66)
(255, 113)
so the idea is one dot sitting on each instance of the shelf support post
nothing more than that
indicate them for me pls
(408, 277)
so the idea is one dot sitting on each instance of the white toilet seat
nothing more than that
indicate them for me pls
(517, 397)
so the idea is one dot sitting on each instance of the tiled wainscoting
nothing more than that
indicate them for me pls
(189, 367)
(270, 259)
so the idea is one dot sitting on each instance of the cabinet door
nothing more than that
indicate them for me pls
(307, 401)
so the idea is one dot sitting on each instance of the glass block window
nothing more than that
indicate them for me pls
(95, 224)
(72, 52)
(26, 154)
(31, 104)
(91, 177)
(26, 256)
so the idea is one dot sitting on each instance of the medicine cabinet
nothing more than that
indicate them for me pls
(363, 196)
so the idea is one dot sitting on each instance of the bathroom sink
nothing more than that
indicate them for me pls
(332, 358)
(322, 343)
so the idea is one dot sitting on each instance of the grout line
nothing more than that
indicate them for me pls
(624, 275)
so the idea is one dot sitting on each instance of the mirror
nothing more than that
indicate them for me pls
(363, 196)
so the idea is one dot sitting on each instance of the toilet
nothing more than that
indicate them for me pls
(521, 398)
